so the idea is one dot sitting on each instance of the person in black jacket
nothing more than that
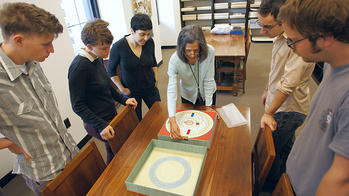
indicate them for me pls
(91, 93)
(136, 56)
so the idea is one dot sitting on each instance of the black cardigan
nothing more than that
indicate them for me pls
(136, 73)
(91, 94)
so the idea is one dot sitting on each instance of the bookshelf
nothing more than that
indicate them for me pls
(208, 13)
(257, 36)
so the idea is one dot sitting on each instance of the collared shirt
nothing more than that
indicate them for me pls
(87, 55)
(30, 118)
(188, 85)
(290, 75)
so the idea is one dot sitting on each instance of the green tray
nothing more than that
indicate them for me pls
(177, 154)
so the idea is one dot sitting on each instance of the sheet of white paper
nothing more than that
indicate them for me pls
(231, 115)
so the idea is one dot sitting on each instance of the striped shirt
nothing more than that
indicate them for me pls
(29, 117)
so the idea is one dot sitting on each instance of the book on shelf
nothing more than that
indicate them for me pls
(221, 15)
(203, 8)
(237, 15)
(221, 6)
(242, 4)
(189, 17)
(187, 9)
(204, 16)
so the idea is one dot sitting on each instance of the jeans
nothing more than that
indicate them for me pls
(149, 98)
(283, 136)
(33, 185)
(94, 133)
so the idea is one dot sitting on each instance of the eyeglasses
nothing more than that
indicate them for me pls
(195, 51)
(291, 43)
(266, 27)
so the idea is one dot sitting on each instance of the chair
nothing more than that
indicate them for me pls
(263, 156)
(79, 174)
(123, 124)
(283, 187)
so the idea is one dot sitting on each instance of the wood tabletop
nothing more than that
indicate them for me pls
(227, 169)
(226, 45)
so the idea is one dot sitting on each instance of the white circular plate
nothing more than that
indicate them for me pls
(199, 123)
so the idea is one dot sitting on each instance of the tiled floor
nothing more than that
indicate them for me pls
(257, 74)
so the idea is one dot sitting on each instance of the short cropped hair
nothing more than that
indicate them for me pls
(270, 7)
(188, 35)
(96, 31)
(27, 19)
(320, 18)
(141, 22)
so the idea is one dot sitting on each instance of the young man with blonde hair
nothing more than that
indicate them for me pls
(29, 117)
(319, 161)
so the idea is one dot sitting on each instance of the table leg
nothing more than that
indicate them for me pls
(236, 77)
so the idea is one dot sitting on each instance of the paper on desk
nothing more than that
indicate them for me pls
(231, 115)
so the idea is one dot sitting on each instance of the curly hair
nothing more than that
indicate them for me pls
(27, 19)
(95, 31)
(320, 18)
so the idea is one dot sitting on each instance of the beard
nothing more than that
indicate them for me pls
(315, 48)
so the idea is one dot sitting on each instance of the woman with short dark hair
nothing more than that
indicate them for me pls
(193, 62)
(135, 54)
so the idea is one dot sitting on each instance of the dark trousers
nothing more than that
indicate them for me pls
(94, 133)
(283, 136)
(197, 102)
(149, 98)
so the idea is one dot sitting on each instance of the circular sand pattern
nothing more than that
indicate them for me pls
(167, 164)
(199, 124)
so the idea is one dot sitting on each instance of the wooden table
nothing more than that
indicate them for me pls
(227, 169)
(228, 48)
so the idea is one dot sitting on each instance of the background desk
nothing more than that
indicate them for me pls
(229, 48)
(227, 169)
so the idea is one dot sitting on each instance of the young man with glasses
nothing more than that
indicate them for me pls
(319, 161)
(286, 97)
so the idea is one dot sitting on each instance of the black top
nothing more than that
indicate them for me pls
(91, 94)
(136, 73)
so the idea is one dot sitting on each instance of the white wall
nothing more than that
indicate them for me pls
(170, 21)
(56, 70)
(119, 13)
(5, 166)
(113, 12)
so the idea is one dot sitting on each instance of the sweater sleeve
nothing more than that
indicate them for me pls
(209, 82)
(117, 96)
(78, 76)
(114, 60)
(152, 47)
(172, 86)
